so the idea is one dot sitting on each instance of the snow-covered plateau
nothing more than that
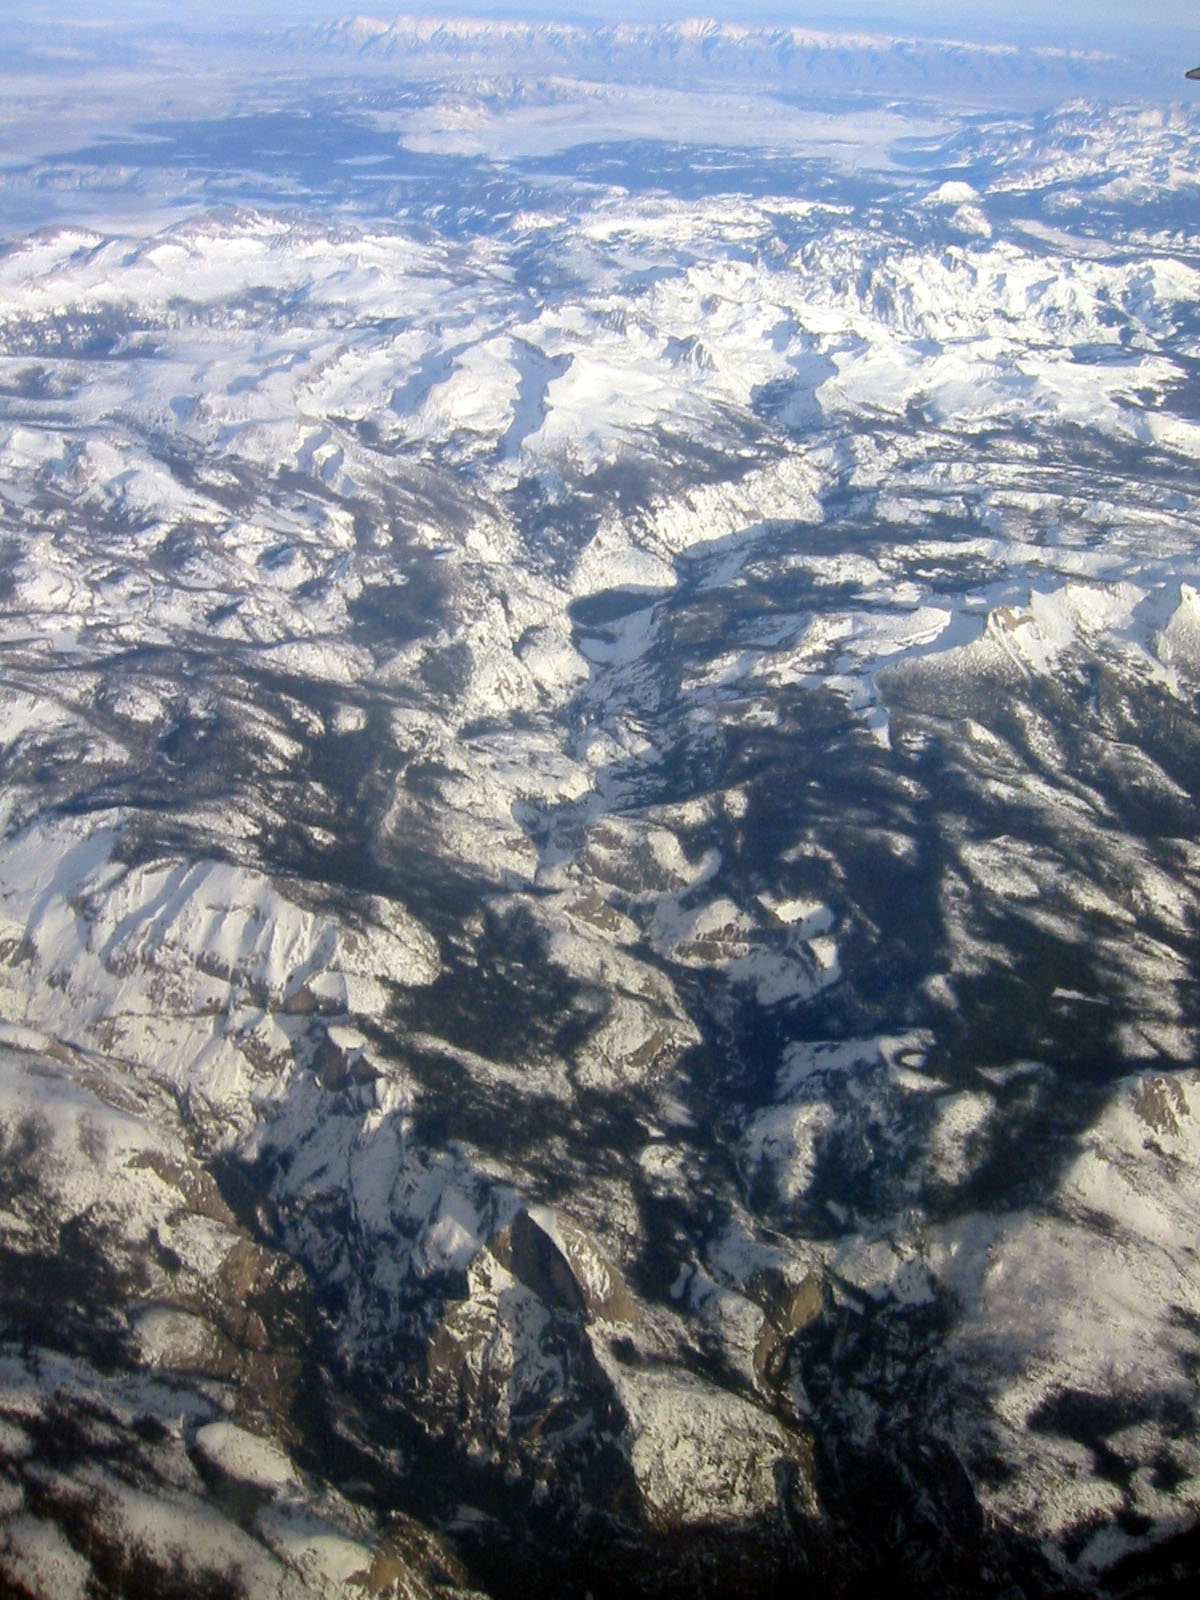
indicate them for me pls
(599, 834)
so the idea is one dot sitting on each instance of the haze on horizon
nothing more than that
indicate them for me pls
(1082, 21)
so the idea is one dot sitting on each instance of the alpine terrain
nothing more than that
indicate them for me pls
(599, 814)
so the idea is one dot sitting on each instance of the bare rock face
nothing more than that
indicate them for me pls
(513, 1365)
(788, 1310)
(537, 1262)
(555, 1258)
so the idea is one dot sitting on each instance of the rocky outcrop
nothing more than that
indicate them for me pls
(562, 1265)
(787, 1310)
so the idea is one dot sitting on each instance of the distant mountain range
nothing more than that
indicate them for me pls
(786, 57)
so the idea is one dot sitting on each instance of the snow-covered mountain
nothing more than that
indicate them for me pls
(598, 843)
(776, 57)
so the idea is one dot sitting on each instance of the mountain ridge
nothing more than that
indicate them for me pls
(773, 57)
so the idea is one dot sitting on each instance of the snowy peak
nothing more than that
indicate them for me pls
(706, 48)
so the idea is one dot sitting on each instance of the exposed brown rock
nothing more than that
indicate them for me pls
(1160, 1102)
(788, 1309)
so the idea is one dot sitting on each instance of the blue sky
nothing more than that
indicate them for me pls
(1081, 20)
(910, 13)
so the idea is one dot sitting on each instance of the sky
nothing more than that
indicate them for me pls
(1099, 24)
(909, 14)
